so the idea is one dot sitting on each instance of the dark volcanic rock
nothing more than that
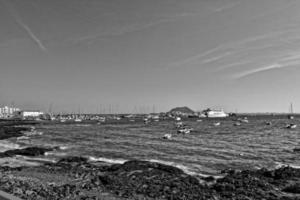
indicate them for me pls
(258, 184)
(148, 181)
(73, 159)
(30, 151)
(295, 188)
(182, 110)
(152, 180)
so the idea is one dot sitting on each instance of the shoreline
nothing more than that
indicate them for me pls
(78, 178)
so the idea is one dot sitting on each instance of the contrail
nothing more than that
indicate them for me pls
(216, 58)
(25, 27)
(229, 6)
(255, 71)
(32, 35)
(194, 58)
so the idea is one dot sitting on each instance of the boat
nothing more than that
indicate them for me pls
(291, 126)
(167, 136)
(184, 130)
(178, 118)
(215, 113)
(243, 120)
(217, 124)
(290, 116)
(237, 124)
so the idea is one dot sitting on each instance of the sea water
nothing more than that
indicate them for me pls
(205, 151)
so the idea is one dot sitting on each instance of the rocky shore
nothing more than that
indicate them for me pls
(76, 178)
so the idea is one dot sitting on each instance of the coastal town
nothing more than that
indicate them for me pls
(7, 112)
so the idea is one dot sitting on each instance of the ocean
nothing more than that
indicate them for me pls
(207, 150)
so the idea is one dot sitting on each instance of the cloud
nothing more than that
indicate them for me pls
(229, 6)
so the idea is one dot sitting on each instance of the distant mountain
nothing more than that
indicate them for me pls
(182, 110)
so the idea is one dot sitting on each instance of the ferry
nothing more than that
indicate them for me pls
(215, 113)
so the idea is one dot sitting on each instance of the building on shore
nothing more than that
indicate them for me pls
(8, 112)
(31, 114)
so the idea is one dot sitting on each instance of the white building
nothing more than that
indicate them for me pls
(6, 112)
(31, 113)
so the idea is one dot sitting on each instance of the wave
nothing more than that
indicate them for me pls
(58, 154)
(23, 138)
(17, 161)
(63, 147)
(184, 168)
(37, 159)
(6, 145)
(107, 160)
(34, 132)
(279, 165)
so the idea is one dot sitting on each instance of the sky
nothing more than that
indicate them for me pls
(143, 56)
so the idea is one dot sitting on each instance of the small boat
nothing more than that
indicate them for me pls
(237, 124)
(78, 120)
(179, 124)
(178, 118)
(185, 130)
(243, 120)
(268, 123)
(167, 136)
(217, 124)
(291, 126)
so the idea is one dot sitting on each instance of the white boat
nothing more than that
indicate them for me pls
(217, 124)
(178, 118)
(78, 120)
(291, 126)
(215, 113)
(185, 130)
(167, 136)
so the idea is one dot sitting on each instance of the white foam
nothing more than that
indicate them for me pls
(279, 165)
(107, 160)
(55, 154)
(63, 147)
(39, 159)
(16, 162)
(6, 145)
(23, 138)
(186, 169)
(34, 132)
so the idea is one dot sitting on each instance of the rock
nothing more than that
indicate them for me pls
(295, 188)
(73, 160)
(153, 180)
